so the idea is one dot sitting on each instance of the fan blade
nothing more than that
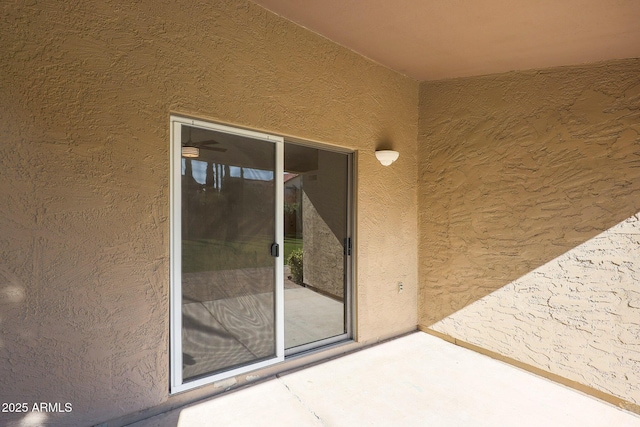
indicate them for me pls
(220, 149)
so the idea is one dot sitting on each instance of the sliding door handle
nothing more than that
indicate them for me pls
(347, 246)
(275, 250)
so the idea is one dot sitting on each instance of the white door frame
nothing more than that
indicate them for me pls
(175, 310)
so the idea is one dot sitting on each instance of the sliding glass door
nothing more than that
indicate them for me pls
(260, 250)
(227, 305)
(317, 246)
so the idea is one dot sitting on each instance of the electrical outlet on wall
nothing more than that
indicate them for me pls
(400, 287)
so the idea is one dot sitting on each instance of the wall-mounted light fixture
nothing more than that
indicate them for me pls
(191, 152)
(386, 157)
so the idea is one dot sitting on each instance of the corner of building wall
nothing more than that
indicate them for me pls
(606, 397)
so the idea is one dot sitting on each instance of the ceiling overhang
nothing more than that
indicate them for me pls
(432, 40)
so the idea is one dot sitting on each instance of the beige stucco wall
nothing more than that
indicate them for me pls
(324, 226)
(86, 89)
(519, 175)
(323, 267)
(578, 316)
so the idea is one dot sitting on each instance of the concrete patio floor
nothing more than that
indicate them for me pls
(415, 380)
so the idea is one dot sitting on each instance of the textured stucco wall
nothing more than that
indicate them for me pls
(516, 170)
(577, 316)
(324, 226)
(86, 89)
(323, 266)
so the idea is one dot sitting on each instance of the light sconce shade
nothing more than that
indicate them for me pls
(386, 157)
(191, 152)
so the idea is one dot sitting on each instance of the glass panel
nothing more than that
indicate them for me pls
(228, 273)
(315, 227)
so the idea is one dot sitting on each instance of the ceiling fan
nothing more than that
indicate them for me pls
(192, 150)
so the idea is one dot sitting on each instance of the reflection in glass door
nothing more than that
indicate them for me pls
(226, 242)
(317, 247)
(234, 232)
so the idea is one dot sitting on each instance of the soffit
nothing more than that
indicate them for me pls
(439, 39)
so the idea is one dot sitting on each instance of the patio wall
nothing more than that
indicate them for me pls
(529, 191)
(86, 89)
(323, 224)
